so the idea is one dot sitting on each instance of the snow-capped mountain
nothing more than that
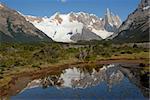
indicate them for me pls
(73, 27)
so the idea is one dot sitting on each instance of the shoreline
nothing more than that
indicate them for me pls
(54, 69)
(81, 63)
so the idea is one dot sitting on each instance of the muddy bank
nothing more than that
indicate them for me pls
(56, 68)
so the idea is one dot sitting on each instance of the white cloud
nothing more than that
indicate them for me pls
(63, 1)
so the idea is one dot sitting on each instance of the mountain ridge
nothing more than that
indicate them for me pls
(15, 28)
(59, 25)
(136, 27)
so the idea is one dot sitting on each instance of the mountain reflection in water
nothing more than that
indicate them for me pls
(107, 82)
(81, 78)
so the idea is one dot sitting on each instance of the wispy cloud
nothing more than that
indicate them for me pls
(63, 1)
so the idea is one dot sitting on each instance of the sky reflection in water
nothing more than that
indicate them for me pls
(107, 82)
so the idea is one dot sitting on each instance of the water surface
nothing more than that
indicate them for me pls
(111, 81)
(106, 82)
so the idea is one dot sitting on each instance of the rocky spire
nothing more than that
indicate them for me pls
(111, 21)
(108, 12)
(108, 16)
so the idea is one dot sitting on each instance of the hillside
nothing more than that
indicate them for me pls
(136, 27)
(14, 28)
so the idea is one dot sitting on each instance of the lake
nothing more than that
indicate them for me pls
(103, 82)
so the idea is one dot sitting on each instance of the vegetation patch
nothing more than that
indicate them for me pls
(19, 57)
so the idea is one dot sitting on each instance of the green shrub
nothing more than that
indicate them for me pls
(2, 69)
(90, 58)
(1, 72)
(50, 54)
(122, 52)
(17, 63)
(3, 66)
(71, 50)
(129, 52)
(1, 77)
(135, 46)
(106, 54)
(35, 66)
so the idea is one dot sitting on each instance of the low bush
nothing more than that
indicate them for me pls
(3, 66)
(35, 66)
(1, 77)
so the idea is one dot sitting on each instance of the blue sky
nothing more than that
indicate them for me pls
(49, 7)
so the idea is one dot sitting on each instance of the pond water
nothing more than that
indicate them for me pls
(99, 83)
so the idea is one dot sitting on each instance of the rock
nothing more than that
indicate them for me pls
(136, 27)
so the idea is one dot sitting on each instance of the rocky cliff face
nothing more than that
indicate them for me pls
(136, 27)
(111, 22)
(59, 25)
(86, 35)
(14, 27)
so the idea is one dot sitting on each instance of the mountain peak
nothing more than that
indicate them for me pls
(1, 5)
(55, 14)
(108, 10)
(144, 4)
